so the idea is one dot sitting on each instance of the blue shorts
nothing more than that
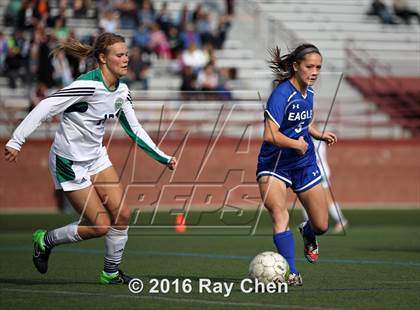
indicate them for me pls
(299, 179)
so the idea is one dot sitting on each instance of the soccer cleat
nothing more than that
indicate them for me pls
(295, 279)
(41, 252)
(340, 227)
(310, 249)
(117, 278)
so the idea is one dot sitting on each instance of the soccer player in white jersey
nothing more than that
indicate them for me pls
(340, 222)
(287, 155)
(77, 154)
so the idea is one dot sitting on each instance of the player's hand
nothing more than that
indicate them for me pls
(302, 146)
(172, 163)
(10, 154)
(329, 137)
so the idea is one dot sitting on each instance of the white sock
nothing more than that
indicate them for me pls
(336, 214)
(305, 214)
(62, 235)
(115, 241)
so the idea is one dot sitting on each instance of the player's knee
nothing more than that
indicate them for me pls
(101, 230)
(321, 230)
(101, 227)
(123, 217)
(279, 217)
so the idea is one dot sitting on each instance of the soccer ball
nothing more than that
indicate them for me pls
(269, 267)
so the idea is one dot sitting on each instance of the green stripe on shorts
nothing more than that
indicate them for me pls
(63, 171)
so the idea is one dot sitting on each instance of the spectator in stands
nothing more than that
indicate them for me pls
(141, 38)
(164, 18)
(175, 42)
(184, 18)
(223, 88)
(62, 70)
(380, 9)
(43, 9)
(403, 11)
(108, 21)
(158, 42)
(230, 7)
(189, 83)
(190, 35)
(128, 13)
(207, 79)
(61, 14)
(13, 66)
(17, 58)
(221, 31)
(12, 12)
(28, 16)
(138, 67)
(38, 93)
(60, 29)
(3, 51)
(146, 15)
(37, 37)
(203, 27)
(80, 8)
(45, 68)
(194, 58)
(209, 54)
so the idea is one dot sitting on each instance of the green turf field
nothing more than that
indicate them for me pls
(375, 265)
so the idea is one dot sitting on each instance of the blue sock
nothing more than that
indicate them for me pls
(285, 245)
(308, 232)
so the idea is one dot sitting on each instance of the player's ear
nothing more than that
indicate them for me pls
(102, 58)
(295, 66)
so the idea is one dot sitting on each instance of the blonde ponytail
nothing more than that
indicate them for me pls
(74, 48)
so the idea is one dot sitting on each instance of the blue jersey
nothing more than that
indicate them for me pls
(292, 113)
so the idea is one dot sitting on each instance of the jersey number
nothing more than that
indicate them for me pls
(298, 129)
(106, 116)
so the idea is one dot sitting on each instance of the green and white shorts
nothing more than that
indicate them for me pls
(70, 175)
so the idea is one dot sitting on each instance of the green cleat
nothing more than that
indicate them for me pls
(41, 252)
(117, 278)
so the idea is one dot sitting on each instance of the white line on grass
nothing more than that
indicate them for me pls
(168, 299)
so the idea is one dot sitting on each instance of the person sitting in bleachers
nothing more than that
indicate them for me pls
(128, 13)
(138, 68)
(164, 18)
(141, 38)
(403, 11)
(146, 15)
(207, 79)
(158, 42)
(175, 42)
(194, 58)
(380, 9)
(190, 35)
(80, 8)
(108, 21)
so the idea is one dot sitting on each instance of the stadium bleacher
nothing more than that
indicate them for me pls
(333, 26)
(258, 25)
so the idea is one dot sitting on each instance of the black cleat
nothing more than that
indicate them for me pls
(119, 278)
(41, 252)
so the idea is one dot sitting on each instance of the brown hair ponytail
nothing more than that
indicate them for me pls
(76, 48)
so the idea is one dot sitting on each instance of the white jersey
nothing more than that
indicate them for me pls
(85, 105)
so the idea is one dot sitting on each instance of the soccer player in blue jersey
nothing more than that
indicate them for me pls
(287, 156)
